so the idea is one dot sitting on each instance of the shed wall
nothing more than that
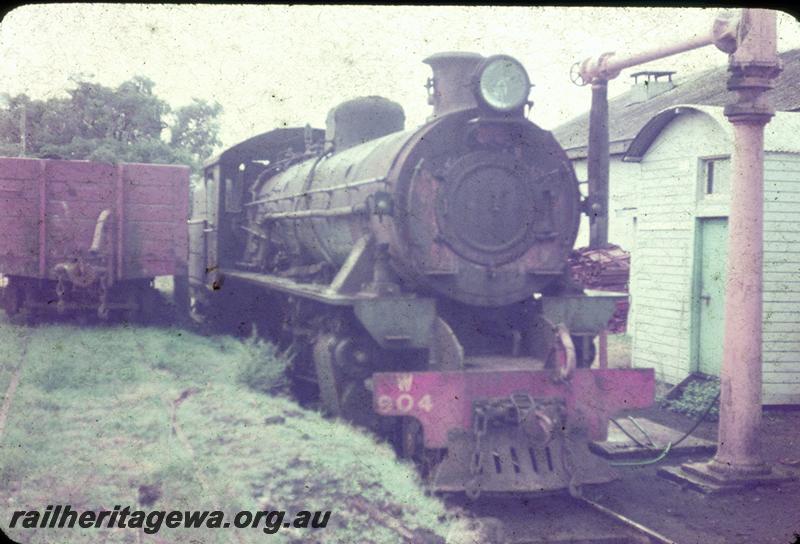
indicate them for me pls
(781, 349)
(654, 210)
(663, 264)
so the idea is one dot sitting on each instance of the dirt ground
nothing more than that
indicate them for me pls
(756, 515)
(763, 515)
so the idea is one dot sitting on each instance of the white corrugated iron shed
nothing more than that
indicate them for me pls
(679, 254)
(676, 223)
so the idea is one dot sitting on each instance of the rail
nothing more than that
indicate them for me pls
(653, 536)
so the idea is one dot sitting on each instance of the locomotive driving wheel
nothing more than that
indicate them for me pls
(341, 366)
(412, 447)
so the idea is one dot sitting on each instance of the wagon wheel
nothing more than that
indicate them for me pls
(149, 309)
(128, 315)
(12, 298)
(17, 303)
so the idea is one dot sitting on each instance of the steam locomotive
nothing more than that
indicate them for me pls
(419, 275)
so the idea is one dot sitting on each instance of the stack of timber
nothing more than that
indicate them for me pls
(604, 269)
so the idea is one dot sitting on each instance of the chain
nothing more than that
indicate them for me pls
(473, 486)
(61, 290)
(568, 462)
(102, 310)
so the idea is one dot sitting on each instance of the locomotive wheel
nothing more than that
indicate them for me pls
(412, 447)
(222, 311)
(341, 380)
(327, 374)
(21, 312)
(149, 305)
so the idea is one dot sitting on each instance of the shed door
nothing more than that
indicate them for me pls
(711, 293)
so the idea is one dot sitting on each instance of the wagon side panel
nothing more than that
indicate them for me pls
(77, 193)
(21, 181)
(155, 210)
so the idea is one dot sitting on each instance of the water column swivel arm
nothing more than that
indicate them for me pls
(597, 71)
(725, 33)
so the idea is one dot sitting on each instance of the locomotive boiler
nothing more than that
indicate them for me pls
(420, 277)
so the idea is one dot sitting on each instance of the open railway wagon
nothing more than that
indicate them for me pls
(80, 236)
(421, 277)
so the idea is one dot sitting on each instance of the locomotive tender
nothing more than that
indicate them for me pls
(423, 274)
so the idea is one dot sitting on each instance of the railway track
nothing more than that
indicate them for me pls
(651, 536)
(555, 519)
(16, 375)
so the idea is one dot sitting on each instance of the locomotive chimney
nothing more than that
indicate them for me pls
(450, 87)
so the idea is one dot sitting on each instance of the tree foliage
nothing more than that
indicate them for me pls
(129, 123)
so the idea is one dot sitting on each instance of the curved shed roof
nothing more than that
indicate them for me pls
(781, 134)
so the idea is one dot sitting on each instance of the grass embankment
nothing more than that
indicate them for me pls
(102, 415)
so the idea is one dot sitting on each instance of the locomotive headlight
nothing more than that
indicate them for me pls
(501, 83)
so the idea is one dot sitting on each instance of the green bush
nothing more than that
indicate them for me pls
(695, 399)
(263, 368)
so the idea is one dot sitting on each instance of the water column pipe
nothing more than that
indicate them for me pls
(738, 460)
(597, 71)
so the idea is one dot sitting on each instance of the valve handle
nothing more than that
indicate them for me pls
(575, 75)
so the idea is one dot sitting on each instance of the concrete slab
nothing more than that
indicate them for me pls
(620, 446)
(699, 477)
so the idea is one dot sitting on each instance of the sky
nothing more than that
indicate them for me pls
(288, 65)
